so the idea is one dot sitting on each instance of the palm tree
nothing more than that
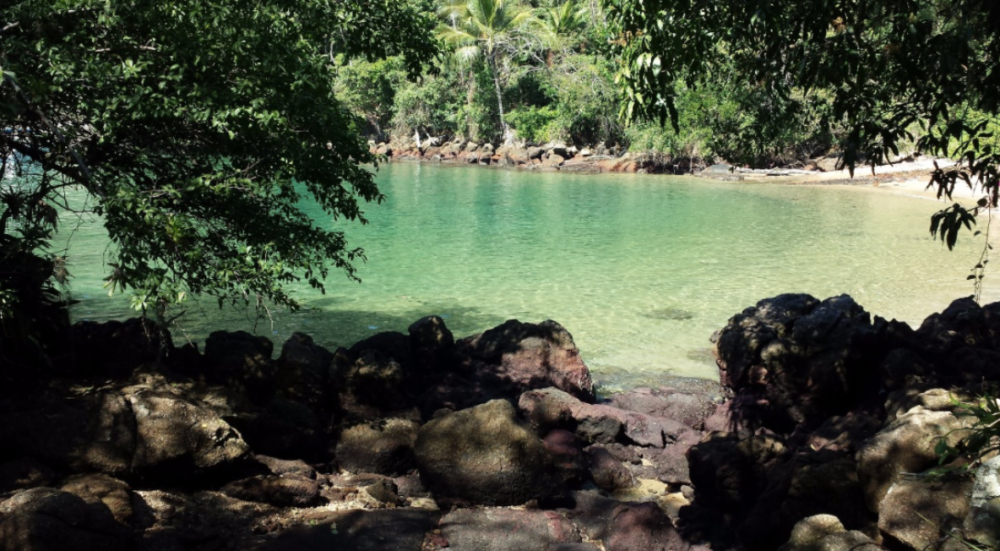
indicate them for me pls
(487, 29)
(561, 24)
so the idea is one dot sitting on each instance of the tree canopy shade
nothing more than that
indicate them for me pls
(888, 70)
(196, 127)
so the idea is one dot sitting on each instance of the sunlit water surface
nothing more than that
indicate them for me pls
(640, 269)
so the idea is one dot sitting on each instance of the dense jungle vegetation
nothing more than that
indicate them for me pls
(545, 71)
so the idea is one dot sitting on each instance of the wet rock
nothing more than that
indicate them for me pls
(241, 361)
(483, 455)
(905, 446)
(100, 488)
(383, 446)
(917, 512)
(503, 529)
(607, 472)
(551, 408)
(290, 490)
(24, 473)
(45, 519)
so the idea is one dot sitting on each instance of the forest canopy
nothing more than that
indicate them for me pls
(195, 127)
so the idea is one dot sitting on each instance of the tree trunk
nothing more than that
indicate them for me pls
(508, 138)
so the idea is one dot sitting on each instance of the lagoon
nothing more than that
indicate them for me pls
(640, 269)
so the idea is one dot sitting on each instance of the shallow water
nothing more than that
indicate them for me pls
(640, 269)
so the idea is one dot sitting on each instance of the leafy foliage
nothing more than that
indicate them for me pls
(198, 126)
(882, 67)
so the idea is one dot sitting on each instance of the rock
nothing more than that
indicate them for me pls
(115, 348)
(608, 473)
(643, 526)
(810, 531)
(372, 383)
(506, 529)
(380, 530)
(241, 361)
(100, 488)
(903, 367)
(904, 446)
(304, 374)
(44, 519)
(796, 361)
(483, 455)
(963, 323)
(809, 483)
(174, 438)
(132, 432)
(551, 408)
(283, 429)
(286, 466)
(829, 163)
(719, 169)
(290, 490)
(852, 540)
(566, 451)
(729, 474)
(983, 522)
(843, 433)
(431, 343)
(688, 408)
(535, 152)
(24, 473)
(558, 148)
(524, 356)
(918, 512)
(382, 446)
(553, 160)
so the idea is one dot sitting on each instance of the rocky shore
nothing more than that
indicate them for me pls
(558, 156)
(820, 436)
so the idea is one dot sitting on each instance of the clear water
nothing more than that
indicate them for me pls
(640, 269)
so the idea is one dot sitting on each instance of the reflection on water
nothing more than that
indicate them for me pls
(640, 269)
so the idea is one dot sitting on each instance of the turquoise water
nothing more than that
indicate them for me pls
(640, 269)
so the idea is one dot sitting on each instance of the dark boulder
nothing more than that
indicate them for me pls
(690, 408)
(643, 526)
(568, 457)
(484, 455)
(96, 488)
(730, 474)
(551, 409)
(289, 490)
(516, 356)
(241, 361)
(431, 343)
(382, 446)
(794, 360)
(607, 472)
(44, 519)
(304, 374)
(24, 473)
(115, 348)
